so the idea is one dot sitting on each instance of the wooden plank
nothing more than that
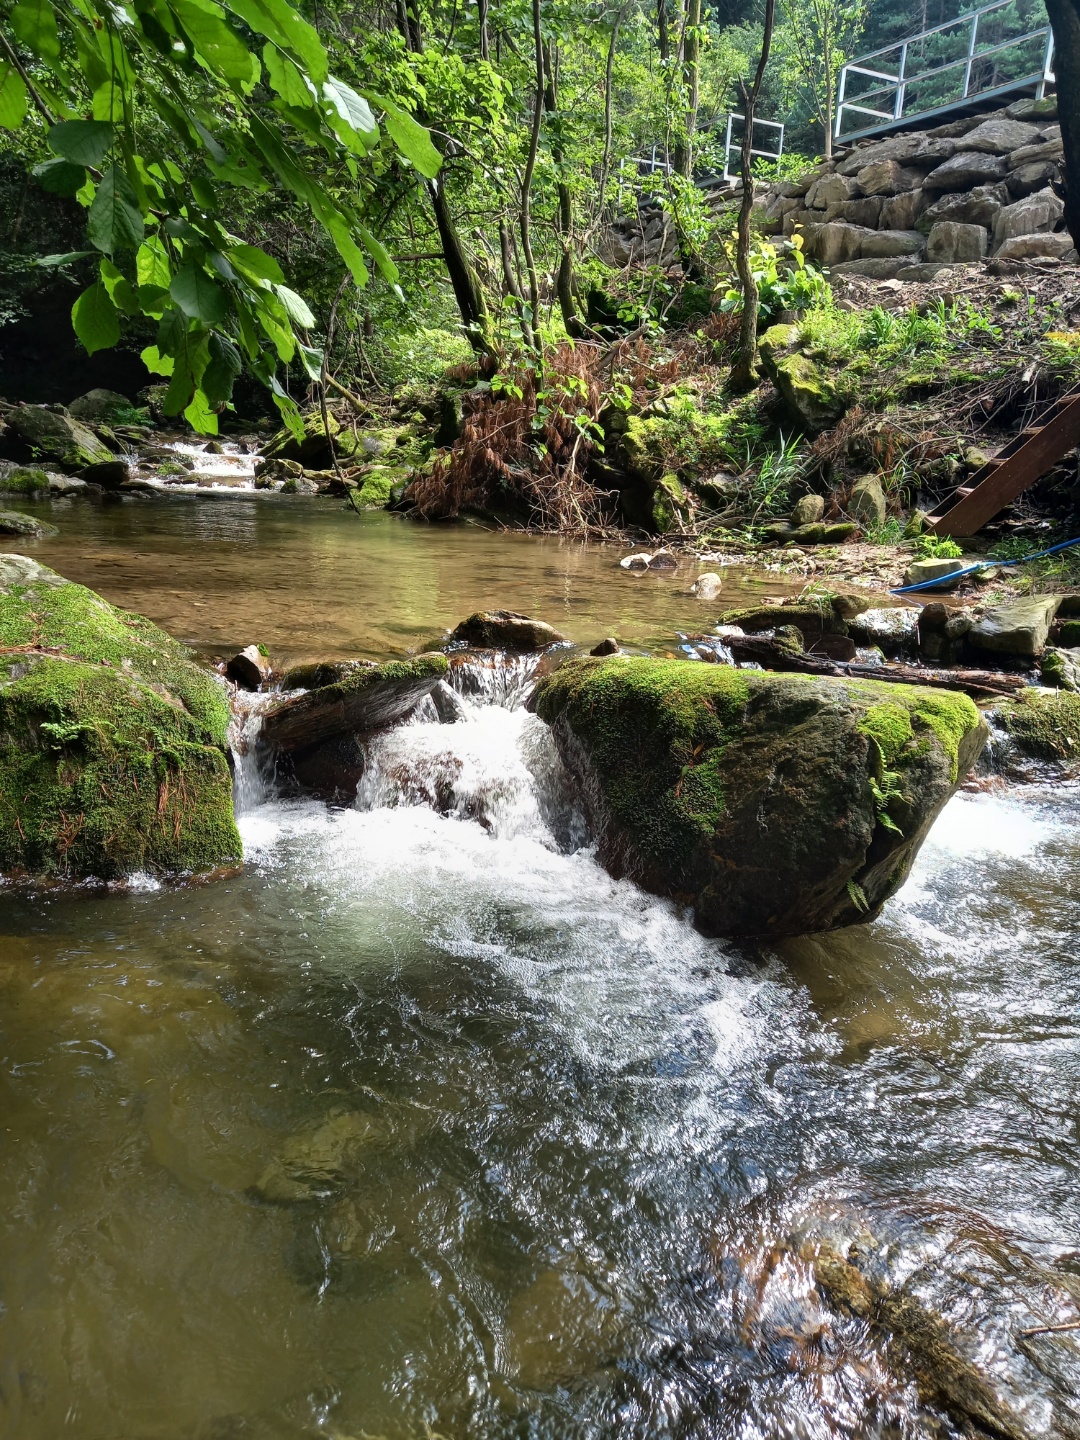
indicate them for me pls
(997, 483)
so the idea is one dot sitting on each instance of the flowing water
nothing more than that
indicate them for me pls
(423, 1126)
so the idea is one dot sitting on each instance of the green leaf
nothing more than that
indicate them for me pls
(255, 264)
(52, 261)
(225, 365)
(83, 142)
(276, 20)
(199, 414)
(155, 362)
(350, 115)
(312, 361)
(377, 250)
(296, 307)
(284, 77)
(95, 320)
(288, 409)
(13, 97)
(121, 291)
(190, 356)
(114, 222)
(218, 44)
(198, 296)
(409, 136)
(60, 177)
(152, 263)
(34, 23)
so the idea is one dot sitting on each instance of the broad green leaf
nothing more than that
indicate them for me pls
(95, 320)
(276, 328)
(277, 20)
(51, 261)
(377, 250)
(204, 193)
(255, 264)
(288, 409)
(225, 365)
(155, 362)
(60, 177)
(312, 360)
(114, 222)
(198, 296)
(34, 23)
(410, 137)
(284, 77)
(216, 41)
(350, 115)
(152, 263)
(296, 307)
(188, 348)
(108, 101)
(121, 291)
(13, 97)
(83, 142)
(153, 300)
(199, 414)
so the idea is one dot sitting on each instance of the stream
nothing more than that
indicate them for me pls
(422, 1127)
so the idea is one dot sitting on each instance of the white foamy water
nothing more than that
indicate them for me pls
(230, 469)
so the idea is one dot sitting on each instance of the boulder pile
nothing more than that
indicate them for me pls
(910, 204)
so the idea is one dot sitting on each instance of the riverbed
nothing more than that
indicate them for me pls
(423, 1126)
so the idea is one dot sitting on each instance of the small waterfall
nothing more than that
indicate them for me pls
(498, 767)
(494, 677)
(250, 785)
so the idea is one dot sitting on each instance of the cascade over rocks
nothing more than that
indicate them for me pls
(112, 741)
(774, 804)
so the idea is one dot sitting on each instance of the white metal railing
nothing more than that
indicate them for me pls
(896, 98)
(736, 145)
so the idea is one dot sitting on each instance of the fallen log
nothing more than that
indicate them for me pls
(772, 654)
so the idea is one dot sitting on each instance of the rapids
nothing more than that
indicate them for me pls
(425, 1126)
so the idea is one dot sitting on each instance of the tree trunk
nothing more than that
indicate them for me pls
(684, 147)
(483, 16)
(744, 373)
(663, 39)
(526, 182)
(475, 316)
(564, 227)
(1065, 23)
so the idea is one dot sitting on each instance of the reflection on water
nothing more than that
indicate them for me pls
(424, 1126)
(307, 577)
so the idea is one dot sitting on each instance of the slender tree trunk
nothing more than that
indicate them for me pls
(663, 38)
(744, 373)
(1065, 23)
(483, 15)
(468, 291)
(609, 69)
(691, 51)
(526, 181)
(510, 279)
(564, 280)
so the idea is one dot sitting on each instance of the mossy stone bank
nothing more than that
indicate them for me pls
(774, 804)
(112, 741)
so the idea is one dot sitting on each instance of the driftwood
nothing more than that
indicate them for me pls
(772, 655)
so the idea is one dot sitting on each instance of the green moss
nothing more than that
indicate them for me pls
(102, 775)
(657, 730)
(378, 483)
(909, 713)
(25, 480)
(1043, 724)
(113, 756)
(1070, 634)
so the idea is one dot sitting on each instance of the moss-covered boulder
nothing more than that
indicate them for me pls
(808, 391)
(1040, 726)
(23, 479)
(51, 433)
(314, 450)
(774, 804)
(112, 741)
(14, 522)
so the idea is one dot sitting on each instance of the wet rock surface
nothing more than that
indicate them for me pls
(774, 804)
(506, 630)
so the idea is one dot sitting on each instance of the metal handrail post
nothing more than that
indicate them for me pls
(898, 100)
(971, 51)
(1048, 55)
(841, 93)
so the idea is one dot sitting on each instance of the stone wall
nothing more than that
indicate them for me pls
(915, 202)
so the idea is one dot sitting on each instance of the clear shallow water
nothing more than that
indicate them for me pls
(423, 1126)
(307, 577)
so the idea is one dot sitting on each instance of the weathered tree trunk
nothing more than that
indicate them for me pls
(1065, 23)
(526, 181)
(744, 373)
(564, 227)
(483, 18)
(691, 47)
(468, 292)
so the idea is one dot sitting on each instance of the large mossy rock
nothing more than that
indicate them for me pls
(51, 433)
(774, 804)
(807, 389)
(112, 741)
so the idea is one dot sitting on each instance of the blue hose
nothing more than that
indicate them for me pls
(942, 580)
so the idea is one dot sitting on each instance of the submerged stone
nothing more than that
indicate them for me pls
(506, 630)
(318, 1159)
(774, 804)
(112, 741)
(14, 522)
